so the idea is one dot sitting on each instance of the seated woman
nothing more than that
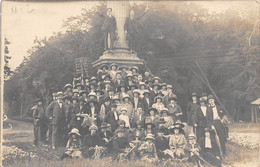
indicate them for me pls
(74, 145)
(158, 103)
(148, 149)
(177, 142)
(168, 119)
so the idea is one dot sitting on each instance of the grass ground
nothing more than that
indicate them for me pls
(21, 137)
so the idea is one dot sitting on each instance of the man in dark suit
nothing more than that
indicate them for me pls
(131, 29)
(112, 117)
(109, 29)
(55, 112)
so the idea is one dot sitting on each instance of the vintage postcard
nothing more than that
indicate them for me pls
(130, 83)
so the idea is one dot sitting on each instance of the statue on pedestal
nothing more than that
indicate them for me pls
(109, 29)
(131, 29)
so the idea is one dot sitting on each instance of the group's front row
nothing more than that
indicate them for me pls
(144, 142)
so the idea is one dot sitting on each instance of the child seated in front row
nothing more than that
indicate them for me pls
(74, 145)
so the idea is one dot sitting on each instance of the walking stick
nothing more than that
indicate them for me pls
(218, 142)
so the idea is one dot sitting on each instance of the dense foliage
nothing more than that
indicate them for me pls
(171, 38)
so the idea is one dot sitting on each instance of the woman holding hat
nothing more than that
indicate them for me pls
(158, 103)
(74, 145)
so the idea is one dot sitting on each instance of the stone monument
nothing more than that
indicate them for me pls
(120, 53)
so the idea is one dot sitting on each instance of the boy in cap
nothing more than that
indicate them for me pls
(74, 145)
(193, 149)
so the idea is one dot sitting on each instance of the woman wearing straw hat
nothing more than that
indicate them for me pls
(127, 104)
(74, 145)
(177, 141)
(148, 149)
(174, 109)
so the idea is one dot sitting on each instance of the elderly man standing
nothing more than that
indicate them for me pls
(55, 112)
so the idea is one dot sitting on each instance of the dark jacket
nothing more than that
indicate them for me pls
(109, 24)
(56, 112)
(110, 119)
(146, 106)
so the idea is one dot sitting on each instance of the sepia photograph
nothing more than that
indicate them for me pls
(130, 83)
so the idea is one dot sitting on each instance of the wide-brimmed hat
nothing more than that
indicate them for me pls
(157, 97)
(113, 64)
(178, 124)
(107, 82)
(92, 101)
(60, 94)
(113, 105)
(118, 130)
(142, 83)
(152, 109)
(149, 123)
(191, 136)
(126, 96)
(74, 131)
(146, 92)
(103, 65)
(115, 97)
(158, 78)
(149, 80)
(134, 67)
(169, 86)
(163, 84)
(139, 123)
(164, 110)
(136, 91)
(129, 75)
(75, 91)
(67, 86)
(93, 127)
(123, 109)
(149, 136)
(92, 94)
(160, 93)
(133, 85)
(93, 79)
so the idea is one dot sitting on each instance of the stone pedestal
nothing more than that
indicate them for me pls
(120, 57)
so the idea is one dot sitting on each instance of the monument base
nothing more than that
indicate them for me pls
(120, 57)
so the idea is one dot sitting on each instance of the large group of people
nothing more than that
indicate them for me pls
(128, 115)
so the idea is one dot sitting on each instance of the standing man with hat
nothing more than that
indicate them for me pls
(192, 107)
(39, 119)
(55, 112)
(109, 29)
(147, 101)
(200, 119)
(216, 122)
